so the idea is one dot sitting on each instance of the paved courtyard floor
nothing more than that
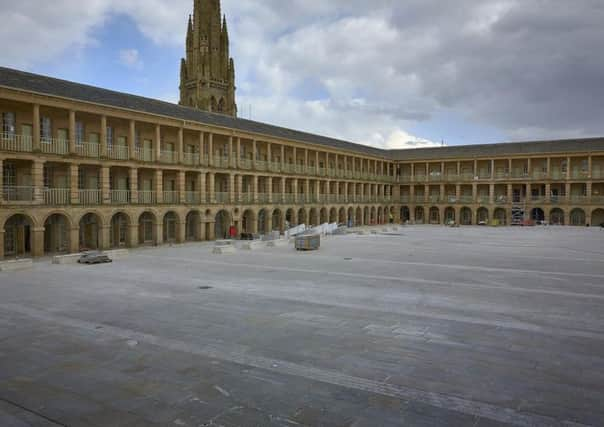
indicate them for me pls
(432, 326)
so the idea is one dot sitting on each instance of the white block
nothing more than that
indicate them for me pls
(277, 243)
(224, 250)
(66, 259)
(117, 254)
(252, 245)
(16, 265)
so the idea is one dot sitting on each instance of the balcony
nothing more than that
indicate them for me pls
(191, 159)
(12, 142)
(262, 197)
(322, 172)
(261, 165)
(466, 177)
(300, 169)
(90, 197)
(120, 197)
(147, 197)
(222, 162)
(579, 174)
(246, 198)
(501, 199)
(277, 198)
(222, 197)
(88, 149)
(193, 197)
(289, 168)
(118, 152)
(170, 197)
(539, 175)
(289, 198)
(275, 167)
(18, 193)
(57, 196)
(54, 146)
(597, 174)
(245, 164)
(301, 199)
(436, 177)
(419, 178)
(579, 199)
(144, 154)
(168, 157)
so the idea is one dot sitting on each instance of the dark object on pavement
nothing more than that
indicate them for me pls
(308, 242)
(94, 258)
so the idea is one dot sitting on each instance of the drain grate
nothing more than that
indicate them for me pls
(205, 288)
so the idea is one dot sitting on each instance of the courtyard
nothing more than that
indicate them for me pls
(426, 326)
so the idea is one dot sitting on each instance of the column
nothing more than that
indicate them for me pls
(510, 193)
(529, 168)
(159, 189)
(282, 158)
(132, 140)
(180, 146)
(232, 188)
(203, 190)
(492, 193)
(73, 183)
(133, 186)
(426, 193)
(36, 128)
(589, 166)
(269, 189)
(238, 154)
(212, 187)
(157, 143)
(442, 194)
(317, 190)
(254, 153)
(548, 191)
(316, 162)
(232, 156)
(103, 141)
(295, 159)
(72, 132)
(474, 192)
(1, 199)
(105, 185)
(200, 147)
(38, 180)
(475, 168)
(239, 187)
(549, 168)
(269, 155)
(181, 232)
(283, 189)
(295, 190)
(74, 239)
(568, 174)
(255, 189)
(305, 160)
(181, 186)
(1, 243)
(492, 169)
(211, 149)
(307, 189)
(458, 192)
(38, 242)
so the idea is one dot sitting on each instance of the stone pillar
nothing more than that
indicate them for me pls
(181, 230)
(134, 186)
(492, 169)
(181, 186)
(510, 193)
(474, 192)
(72, 132)
(238, 154)
(132, 140)
(159, 186)
(307, 189)
(255, 200)
(254, 153)
(282, 158)
(203, 191)
(232, 188)
(269, 154)
(283, 189)
(232, 156)
(212, 187)
(159, 232)
(549, 167)
(37, 249)
(295, 190)
(157, 143)
(38, 180)
(458, 192)
(1, 196)
(105, 185)
(318, 191)
(133, 235)
(548, 190)
(269, 189)
(73, 184)
(317, 162)
(239, 188)
(211, 231)
(180, 146)
(74, 239)
(305, 160)
(568, 168)
(36, 128)
(492, 193)
(103, 141)
(295, 159)
(589, 166)
(210, 149)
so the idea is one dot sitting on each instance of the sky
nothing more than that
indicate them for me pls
(387, 73)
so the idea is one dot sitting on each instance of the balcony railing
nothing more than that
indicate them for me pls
(147, 197)
(262, 197)
(245, 164)
(13, 142)
(191, 159)
(193, 197)
(57, 196)
(221, 162)
(144, 154)
(579, 174)
(120, 197)
(277, 198)
(246, 198)
(18, 193)
(170, 197)
(275, 167)
(168, 157)
(54, 146)
(118, 152)
(90, 197)
(88, 149)
(289, 198)
(261, 165)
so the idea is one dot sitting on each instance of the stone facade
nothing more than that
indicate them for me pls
(207, 75)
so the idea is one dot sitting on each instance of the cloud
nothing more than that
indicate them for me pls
(370, 71)
(130, 58)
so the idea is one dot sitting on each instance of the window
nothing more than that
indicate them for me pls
(94, 138)
(109, 136)
(8, 124)
(45, 128)
(79, 133)
(121, 141)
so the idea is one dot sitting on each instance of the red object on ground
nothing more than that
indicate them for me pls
(232, 232)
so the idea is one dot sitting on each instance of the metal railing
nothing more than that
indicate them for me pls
(147, 197)
(245, 164)
(57, 196)
(262, 197)
(168, 157)
(54, 146)
(120, 197)
(191, 159)
(118, 152)
(260, 165)
(88, 149)
(18, 193)
(246, 198)
(222, 197)
(144, 154)
(193, 197)
(14, 142)
(222, 162)
(170, 197)
(90, 197)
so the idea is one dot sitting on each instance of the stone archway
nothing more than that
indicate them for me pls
(222, 224)
(500, 216)
(597, 217)
(290, 218)
(170, 227)
(120, 230)
(537, 215)
(262, 222)
(405, 214)
(366, 216)
(450, 215)
(313, 217)
(57, 234)
(482, 216)
(323, 216)
(419, 215)
(373, 218)
(556, 217)
(147, 230)
(434, 216)
(248, 222)
(358, 217)
(465, 216)
(333, 215)
(380, 215)
(302, 219)
(18, 237)
(193, 227)
(578, 218)
(90, 232)
(277, 220)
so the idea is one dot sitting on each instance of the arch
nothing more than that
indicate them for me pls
(419, 215)
(366, 216)
(350, 217)
(597, 217)
(556, 216)
(193, 227)
(323, 216)
(482, 216)
(578, 218)
(465, 216)
(334, 215)
(405, 214)
(434, 215)
(302, 219)
(290, 218)
(222, 223)
(120, 230)
(18, 236)
(277, 220)
(450, 215)
(359, 217)
(313, 217)
(373, 218)
(170, 227)
(500, 216)
(248, 221)
(56, 234)
(380, 215)
(537, 215)
(90, 232)
(262, 222)
(147, 230)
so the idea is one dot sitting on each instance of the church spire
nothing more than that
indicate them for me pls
(207, 72)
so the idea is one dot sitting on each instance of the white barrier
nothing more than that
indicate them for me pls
(250, 245)
(113, 254)
(324, 229)
(293, 232)
(223, 247)
(277, 243)
(16, 265)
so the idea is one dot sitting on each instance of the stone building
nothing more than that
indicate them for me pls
(84, 168)
(207, 75)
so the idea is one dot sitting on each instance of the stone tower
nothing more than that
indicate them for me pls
(207, 75)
